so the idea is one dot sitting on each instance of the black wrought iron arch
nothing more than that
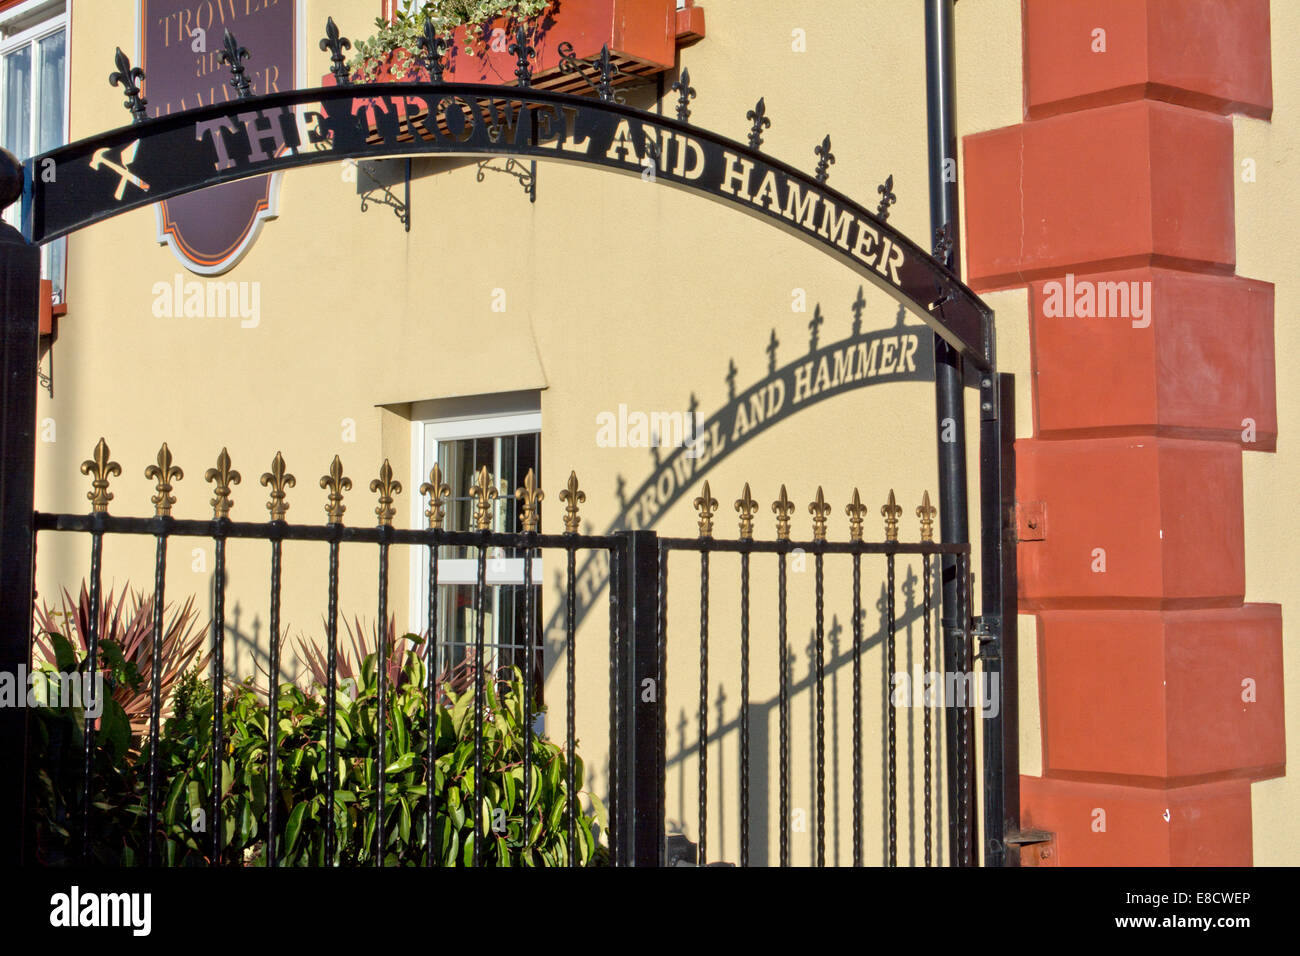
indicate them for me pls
(94, 179)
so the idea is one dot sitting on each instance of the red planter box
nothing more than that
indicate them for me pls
(641, 36)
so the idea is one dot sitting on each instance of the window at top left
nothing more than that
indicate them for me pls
(34, 99)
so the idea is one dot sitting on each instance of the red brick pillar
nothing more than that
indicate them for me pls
(1153, 370)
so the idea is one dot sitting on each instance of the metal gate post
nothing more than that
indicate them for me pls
(949, 384)
(996, 627)
(641, 764)
(20, 275)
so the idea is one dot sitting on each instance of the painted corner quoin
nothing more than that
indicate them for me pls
(1160, 689)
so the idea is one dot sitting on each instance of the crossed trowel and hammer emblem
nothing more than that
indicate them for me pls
(101, 161)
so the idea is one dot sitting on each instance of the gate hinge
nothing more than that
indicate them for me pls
(1031, 520)
(988, 631)
(988, 397)
(1036, 847)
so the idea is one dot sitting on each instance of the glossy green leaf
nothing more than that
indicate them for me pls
(293, 827)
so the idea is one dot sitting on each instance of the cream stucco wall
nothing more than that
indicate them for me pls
(1268, 238)
(617, 292)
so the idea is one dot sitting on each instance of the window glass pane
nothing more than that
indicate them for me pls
(50, 93)
(18, 102)
(455, 459)
(508, 643)
(508, 480)
(52, 259)
(456, 632)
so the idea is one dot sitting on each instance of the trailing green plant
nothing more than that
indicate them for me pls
(126, 645)
(184, 756)
(396, 40)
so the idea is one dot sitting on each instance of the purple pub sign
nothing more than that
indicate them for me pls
(180, 44)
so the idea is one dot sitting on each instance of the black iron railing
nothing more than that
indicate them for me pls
(625, 632)
(637, 648)
(963, 807)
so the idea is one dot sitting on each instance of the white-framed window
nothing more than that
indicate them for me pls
(393, 7)
(502, 434)
(34, 99)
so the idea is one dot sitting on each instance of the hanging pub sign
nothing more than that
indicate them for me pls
(182, 44)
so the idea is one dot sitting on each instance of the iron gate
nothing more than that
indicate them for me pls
(457, 119)
(640, 678)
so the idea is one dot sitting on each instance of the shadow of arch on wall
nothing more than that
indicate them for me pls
(902, 353)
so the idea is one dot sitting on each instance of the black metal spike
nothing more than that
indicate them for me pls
(772, 345)
(607, 72)
(826, 161)
(522, 52)
(234, 55)
(887, 198)
(731, 380)
(758, 116)
(687, 93)
(943, 245)
(126, 75)
(814, 327)
(336, 44)
(943, 252)
(433, 47)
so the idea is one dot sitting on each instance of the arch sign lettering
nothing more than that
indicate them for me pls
(166, 156)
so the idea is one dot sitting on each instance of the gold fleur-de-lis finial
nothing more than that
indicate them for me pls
(387, 489)
(783, 508)
(277, 479)
(891, 512)
(531, 496)
(335, 483)
(857, 513)
(819, 510)
(222, 477)
(706, 505)
(926, 513)
(164, 473)
(484, 492)
(100, 468)
(747, 507)
(572, 497)
(438, 492)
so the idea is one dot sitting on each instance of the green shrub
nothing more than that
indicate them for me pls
(184, 754)
(126, 640)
